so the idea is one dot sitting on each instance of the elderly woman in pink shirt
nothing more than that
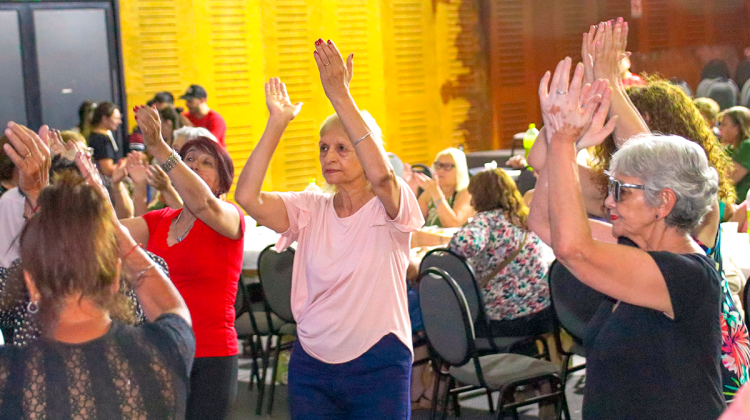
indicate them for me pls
(353, 357)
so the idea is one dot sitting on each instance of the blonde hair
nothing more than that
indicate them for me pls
(334, 120)
(462, 168)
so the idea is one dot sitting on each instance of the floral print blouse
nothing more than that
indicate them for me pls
(521, 288)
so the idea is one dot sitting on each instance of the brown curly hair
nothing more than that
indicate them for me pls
(670, 111)
(493, 189)
(69, 248)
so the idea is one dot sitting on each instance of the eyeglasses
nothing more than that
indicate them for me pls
(615, 188)
(440, 166)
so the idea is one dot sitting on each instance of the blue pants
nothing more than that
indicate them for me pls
(373, 386)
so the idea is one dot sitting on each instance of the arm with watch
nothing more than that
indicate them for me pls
(197, 197)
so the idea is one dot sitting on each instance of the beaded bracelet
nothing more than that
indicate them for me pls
(171, 162)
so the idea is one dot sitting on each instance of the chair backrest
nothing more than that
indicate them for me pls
(574, 302)
(742, 74)
(241, 302)
(702, 90)
(715, 68)
(725, 92)
(461, 273)
(682, 85)
(275, 275)
(745, 94)
(446, 317)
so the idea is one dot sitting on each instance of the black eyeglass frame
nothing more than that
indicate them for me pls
(614, 187)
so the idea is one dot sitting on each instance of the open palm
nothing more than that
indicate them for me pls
(278, 102)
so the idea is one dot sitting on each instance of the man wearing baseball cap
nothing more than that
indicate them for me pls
(201, 115)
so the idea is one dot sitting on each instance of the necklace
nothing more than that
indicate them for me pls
(185, 232)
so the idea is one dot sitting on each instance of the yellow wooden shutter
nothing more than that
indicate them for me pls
(410, 79)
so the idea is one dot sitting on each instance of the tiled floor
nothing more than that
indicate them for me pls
(472, 408)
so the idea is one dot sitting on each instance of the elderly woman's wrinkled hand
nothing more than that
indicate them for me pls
(31, 155)
(335, 74)
(430, 186)
(562, 109)
(278, 102)
(610, 45)
(56, 144)
(150, 123)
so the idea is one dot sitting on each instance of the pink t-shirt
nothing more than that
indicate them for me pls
(349, 276)
(736, 411)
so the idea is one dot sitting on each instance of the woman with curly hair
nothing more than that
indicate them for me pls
(507, 257)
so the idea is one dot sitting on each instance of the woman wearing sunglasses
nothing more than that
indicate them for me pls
(445, 200)
(653, 349)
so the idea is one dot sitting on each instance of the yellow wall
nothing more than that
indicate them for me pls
(404, 53)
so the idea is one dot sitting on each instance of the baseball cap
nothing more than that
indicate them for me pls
(161, 97)
(194, 91)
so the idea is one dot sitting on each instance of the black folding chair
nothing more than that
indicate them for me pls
(275, 275)
(463, 274)
(574, 304)
(448, 325)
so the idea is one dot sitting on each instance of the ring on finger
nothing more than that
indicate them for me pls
(559, 92)
(583, 106)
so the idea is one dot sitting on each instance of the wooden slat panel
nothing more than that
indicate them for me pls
(656, 28)
(354, 24)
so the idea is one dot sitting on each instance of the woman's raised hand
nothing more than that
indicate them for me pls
(157, 178)
(150, 123)
(597, 131)
(587, 50)
(31, 155)
(334, 73)
(91, 174)
(562, 109)
(278, 102)
(136, 168)
(610, 45)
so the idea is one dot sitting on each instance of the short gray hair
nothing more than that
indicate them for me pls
(192, 133)
(675, 163)
(333, 120)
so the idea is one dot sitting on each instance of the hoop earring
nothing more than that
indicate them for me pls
(33, 307)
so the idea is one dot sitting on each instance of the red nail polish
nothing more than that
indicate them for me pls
(330, 42)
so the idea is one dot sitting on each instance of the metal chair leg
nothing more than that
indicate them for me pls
(273, 374)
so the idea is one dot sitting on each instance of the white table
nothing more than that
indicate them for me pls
(736, 245)
(256, 239)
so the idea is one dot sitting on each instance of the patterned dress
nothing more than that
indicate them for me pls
(521, 288)
(735, 344)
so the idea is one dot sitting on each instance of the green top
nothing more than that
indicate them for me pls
(433, 219)
(741, 155)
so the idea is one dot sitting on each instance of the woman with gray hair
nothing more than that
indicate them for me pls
(653, 349)
(185, 134)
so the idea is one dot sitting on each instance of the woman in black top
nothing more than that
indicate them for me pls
(107, 118)
(85, 365)
(653, 352)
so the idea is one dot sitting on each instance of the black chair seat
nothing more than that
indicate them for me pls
(500, 370)
(501, 343)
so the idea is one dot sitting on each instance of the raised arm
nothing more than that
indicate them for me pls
(267, 208)
(335, 76)
(621, 272)
(610, 43)
(29, 152)
(219, 215)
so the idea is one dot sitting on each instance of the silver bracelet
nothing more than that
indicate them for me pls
(171, 162)
(363, 137)
(150, 266)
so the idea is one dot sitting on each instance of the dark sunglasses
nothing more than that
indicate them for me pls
(615, 188)
(440, 166)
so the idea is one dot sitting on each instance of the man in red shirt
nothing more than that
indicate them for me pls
(201, 115)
